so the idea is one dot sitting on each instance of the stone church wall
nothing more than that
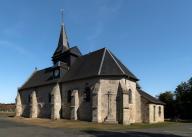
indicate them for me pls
(110, 100)
(156, 113)
(112, 85)
(106, 85)
(84, 111)
(151, 113)
(25, 99)
(43, 99)
(138, 109)
(145, 110)
(135, 106)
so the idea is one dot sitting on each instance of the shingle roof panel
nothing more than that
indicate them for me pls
(85, 66)
(98, 63)
(150, 98)
(39, 78)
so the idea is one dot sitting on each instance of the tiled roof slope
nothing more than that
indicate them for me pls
(39, 78)
(99, 63)
(75, 50)
(150, 98)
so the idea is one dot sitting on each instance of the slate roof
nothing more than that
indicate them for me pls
(74, 50)
(99, 63)
(38, 78)
(150, 98)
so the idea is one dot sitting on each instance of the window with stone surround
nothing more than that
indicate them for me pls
(154, 114)
(87, 94)
(130, 96)
(69, 96)
(29, 99)
(159, 111)
(49, 98)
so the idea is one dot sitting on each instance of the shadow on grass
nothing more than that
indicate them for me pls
(180, 120)
(127, 134)
(11, 116)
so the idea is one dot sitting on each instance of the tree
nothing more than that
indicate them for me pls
(179, 102)
(183, 94)
(168, 98)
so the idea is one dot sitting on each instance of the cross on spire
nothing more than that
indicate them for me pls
(62, 16)
(63, 44)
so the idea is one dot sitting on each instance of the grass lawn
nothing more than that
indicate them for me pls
(7, 114)
(81, 125)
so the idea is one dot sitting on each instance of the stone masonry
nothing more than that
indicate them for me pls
(18, 105)
(55, 102)
(34, 105)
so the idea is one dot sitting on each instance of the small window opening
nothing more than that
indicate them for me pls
(29, 99)
(69, 96)
(49, 98)
(159, 111)
(130, 97)
(87, 94)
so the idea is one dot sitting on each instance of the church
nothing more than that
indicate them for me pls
(94, 87)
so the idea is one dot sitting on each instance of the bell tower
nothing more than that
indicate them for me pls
(63, 45)
(64, 56)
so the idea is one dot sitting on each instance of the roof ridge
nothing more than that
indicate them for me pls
(150, 96)
(102, 60)
(116, 62)
(34, 72)
(92, 52)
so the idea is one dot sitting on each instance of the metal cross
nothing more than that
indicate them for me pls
(62, 16)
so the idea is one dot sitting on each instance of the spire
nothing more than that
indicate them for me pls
(63, 44)
(63, 41)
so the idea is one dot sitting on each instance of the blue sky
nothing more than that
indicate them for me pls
(152, 37)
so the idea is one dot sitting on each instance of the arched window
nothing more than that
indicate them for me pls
(29, 99)
(87, 94)
(130, 97)
(49, 97)
(159, 111)
(154, 113)
(69, 96)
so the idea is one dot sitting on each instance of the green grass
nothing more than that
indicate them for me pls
(7, 114)
(118, 127)
(86, 126)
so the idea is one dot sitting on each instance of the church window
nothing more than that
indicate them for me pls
(69, 96)
(29, 99)
(87, 94)
(130, 97)
(49, 98)
(154, 114)
(159, 111)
